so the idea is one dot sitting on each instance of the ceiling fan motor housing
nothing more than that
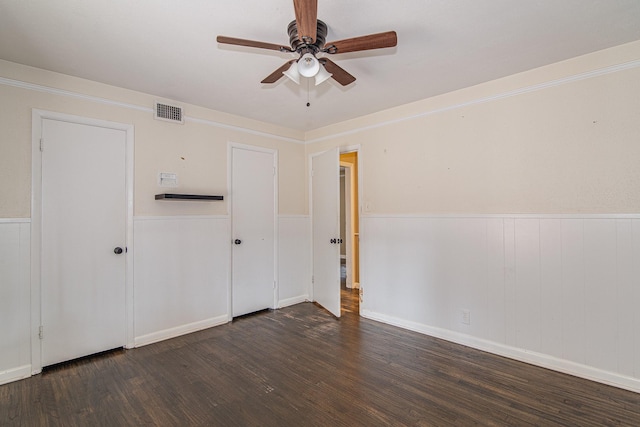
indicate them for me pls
(302, 47)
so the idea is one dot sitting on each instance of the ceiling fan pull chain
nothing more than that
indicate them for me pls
(308, 103)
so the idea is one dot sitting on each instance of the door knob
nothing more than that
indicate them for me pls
(237, 241)
(117, 250)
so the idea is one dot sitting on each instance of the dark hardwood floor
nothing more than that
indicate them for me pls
(299, 366)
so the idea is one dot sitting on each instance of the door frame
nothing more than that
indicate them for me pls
(348, 226)
(37, 116)
(356, 148)
(341, 150)
(230, 146)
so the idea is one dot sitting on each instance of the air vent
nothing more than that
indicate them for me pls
(169, 113)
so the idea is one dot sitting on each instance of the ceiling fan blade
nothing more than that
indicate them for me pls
(306, 19)
(355, 44)
(339, 74)
(275, 76)
(252, 43)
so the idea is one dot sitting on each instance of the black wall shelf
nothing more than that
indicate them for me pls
(172, 196)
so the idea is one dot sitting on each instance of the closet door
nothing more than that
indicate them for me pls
(84, 214)
(253, 206)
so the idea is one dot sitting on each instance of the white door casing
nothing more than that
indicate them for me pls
(84, 217)
(253, 191)
(325, 219)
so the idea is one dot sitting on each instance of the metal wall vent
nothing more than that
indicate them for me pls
(169, 113)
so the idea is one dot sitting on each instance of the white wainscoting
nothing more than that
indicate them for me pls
(181, 279)
(558, 291)
(181, 275)
(294, 259)
(15, 305)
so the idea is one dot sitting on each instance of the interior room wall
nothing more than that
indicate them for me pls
(505, 216)
(521, 144)
(196, 151)
(15, 338)
(504, 191)
(170, 238)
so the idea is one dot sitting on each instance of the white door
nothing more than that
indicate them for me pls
(325, 205)
(84, 214)
(253, 203)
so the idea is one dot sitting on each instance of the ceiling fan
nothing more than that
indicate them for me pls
(307, 39)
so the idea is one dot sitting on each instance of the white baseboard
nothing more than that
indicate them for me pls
(292, 301)
(15, 374)
(180, 330)
(533, 358)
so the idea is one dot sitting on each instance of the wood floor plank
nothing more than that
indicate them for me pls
(301, 366)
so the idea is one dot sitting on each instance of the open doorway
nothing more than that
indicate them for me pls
(349, 230)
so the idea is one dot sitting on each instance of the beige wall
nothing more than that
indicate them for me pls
(551, 140)
(196, 151)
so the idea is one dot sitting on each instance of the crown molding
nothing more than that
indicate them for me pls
(99, 100)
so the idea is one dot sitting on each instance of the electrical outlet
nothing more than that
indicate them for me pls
(466, 317)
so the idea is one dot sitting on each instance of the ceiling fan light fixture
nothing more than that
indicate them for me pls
(322, 75)
(308, 65)
(307, 36)
(292, 73)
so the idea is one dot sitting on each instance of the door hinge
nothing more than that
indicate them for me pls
(41, 144)
(274, 171)
(41, 332)
(313, 279)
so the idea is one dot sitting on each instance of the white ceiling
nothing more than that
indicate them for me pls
(168, 48)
